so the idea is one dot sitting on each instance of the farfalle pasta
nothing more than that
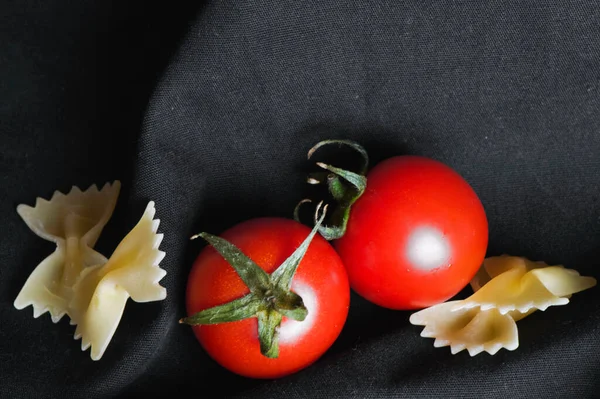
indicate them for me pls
(472, 329)
(101, 292)
(522, 289)
(73, 222)
(506, 289)
(78, 281)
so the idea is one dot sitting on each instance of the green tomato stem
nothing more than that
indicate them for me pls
(268, 336)
(251, 274)
(344, 186)
(239, 309)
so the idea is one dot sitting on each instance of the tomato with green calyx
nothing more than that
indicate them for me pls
(411, 232)
(268, 297)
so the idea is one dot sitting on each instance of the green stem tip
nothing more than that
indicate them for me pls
(270, 298)
(343, 185)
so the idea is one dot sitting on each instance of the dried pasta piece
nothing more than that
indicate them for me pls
(507, 289)
(523, 288)
(472, 329)
(73, 222)
(101, 292)
(496, 265)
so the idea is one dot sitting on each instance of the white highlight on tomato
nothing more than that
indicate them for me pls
(427, 248)
(291, 330)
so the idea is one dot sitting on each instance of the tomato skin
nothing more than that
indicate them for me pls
(417, 235)
(321, 280)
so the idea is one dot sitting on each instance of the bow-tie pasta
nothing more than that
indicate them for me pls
(506, 289)
(472, 329)
(74, 222)
(101, 292)
(527, 287)
(78, 281)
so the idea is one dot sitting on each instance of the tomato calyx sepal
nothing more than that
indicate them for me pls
(270, 297)
(344, 186)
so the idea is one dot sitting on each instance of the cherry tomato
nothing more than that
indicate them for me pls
(320, 280)
(416, 236)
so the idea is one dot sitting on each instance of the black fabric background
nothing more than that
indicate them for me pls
(209, 109)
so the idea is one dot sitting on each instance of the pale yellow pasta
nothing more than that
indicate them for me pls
(73, 222)
(496, 265)
(473, 330)
(101, 292)
(507, 289)
(526, 286)
(78, 281)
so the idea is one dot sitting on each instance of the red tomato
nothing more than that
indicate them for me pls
(320, 280)
(416, 236)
